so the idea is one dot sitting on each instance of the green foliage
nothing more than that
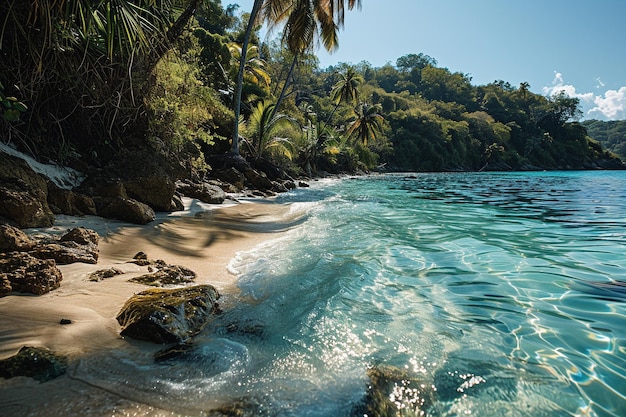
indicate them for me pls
(269, 132)
(11, 108)
(611, 134)
(215, 59)
(181, 108)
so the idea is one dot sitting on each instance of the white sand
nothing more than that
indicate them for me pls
(204, 243)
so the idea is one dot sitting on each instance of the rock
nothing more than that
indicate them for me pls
(14, 169)
(232, 176)
(302, 184)
(97, 185)
(258, 179)
(166, 275)
(242, 407)
(21, 272)
(38, 363)
(393, 392)
(85, 204)
(24, 205)
(147, 176)
(101, 274)
(128, 210)
(177, 203)
(82, 236)
(155, 190)
(289, 184)
(279, 187)
(5, 285)
(77, 245)
(168, 316)
(205, 192)
(68, 202)
(13, 239)
(462, 377)
(67, 253)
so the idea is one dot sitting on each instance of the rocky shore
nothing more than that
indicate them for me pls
(79, 280)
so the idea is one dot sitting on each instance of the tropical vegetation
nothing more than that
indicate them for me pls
(189, 79)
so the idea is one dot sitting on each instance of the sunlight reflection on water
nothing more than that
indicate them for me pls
(503, 294)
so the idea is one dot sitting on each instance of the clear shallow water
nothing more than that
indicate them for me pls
(504, 293)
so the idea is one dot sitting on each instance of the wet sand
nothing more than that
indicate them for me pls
(203, 241)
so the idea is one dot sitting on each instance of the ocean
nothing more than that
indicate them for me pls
(504, 293)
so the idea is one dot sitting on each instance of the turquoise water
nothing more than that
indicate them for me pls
(504, 292)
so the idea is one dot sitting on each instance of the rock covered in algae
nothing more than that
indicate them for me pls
(393, 392)
(35, 362)
(168, 315)
(166, 275)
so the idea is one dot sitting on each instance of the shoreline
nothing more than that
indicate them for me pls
(205, 241)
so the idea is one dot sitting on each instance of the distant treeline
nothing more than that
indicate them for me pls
(611, 134)
(162, 76)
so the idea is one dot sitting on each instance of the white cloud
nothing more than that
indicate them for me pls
(558, 85)
(612, 105)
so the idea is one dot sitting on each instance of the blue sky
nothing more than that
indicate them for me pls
(574, 45)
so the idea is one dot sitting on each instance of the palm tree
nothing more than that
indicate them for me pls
(254, 65)
(310, 18)
(123, 27)
(346, 90)
(252, 21)
(84, 61)
(263, 126)
(368, 124)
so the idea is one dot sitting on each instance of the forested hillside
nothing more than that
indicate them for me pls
(611, 134)
(80, 86)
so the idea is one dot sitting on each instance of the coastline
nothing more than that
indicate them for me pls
(205, 241)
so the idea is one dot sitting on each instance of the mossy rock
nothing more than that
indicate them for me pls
(166, 275)
(393, 392)
(168, 315)
(35, 362)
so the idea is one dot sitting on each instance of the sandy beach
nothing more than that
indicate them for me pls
(203, 241)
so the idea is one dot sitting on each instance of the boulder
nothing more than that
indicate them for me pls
(77, 245)
(13, 239)
(38, 363)
(148, 176)
(103, 187)
(258, 179)
(205, 192)
(168, 316)
(154, 189)
(24, 205)
(125, 209)
(67, 253)
(82, 236)
(24, 192)
(232, 176)
(68, 202)
(21, 272)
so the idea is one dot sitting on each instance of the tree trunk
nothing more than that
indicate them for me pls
(242, 64)
(285, 86)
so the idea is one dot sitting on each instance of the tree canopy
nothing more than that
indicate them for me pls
(180, 76)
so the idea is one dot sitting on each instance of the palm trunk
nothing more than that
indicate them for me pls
(242, 64)
(285, 86)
